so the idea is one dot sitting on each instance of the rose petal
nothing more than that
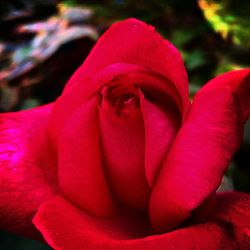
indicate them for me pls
(134, 42)
(27, 168)
(203, 148)
(160, 61)
(81, 175)
(119, 73)
(234, 208)
(238, 81)
(123, 153)
(123, 232)
(161, 125)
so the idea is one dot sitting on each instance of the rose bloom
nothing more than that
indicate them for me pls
(123, 159)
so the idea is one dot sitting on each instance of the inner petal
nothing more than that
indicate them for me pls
(122, 134)
(161, 123)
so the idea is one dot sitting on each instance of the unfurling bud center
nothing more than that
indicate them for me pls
(136, 134)
(121, 98)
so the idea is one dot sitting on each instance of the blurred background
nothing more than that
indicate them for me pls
(42, 42)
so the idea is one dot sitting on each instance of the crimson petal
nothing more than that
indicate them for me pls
(203, 148)
(120, 73)
(134, 42)
(161, 125)
(27, 168)
(238, 81)
(234, 208)
(121, 233)
(81, 174)
(123, 152)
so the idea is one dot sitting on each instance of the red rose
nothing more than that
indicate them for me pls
(122, 160)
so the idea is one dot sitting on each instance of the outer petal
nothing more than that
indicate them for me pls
(132, 41)
(123, 232)
(202, 150)
(81, 174)
(239, 83)
(27, 169)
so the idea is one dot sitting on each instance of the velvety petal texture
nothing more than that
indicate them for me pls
(113, 75)
(161, 124)
(234, 209)
(122, 134)
(115, 130)
(202, 150)
(105, 153)
(121, 50)
(81, 174)
(134, 42)
(238, 82)
(225, 229)
(28, 168)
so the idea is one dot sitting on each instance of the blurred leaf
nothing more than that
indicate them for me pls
(229, 18)
(193, 89)
(182, 37)
(194, 59)
(70, 3)
(225, 65)
(30, 103)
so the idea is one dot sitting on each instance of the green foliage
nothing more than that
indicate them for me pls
(229, 18)
(194, 59)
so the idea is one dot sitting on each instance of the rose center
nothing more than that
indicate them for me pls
(122, 99)
(137, 131)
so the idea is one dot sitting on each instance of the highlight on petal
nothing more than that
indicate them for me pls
(80, 170)
(134, 42)
(131, 231)
(201, 152)
(27, 168)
